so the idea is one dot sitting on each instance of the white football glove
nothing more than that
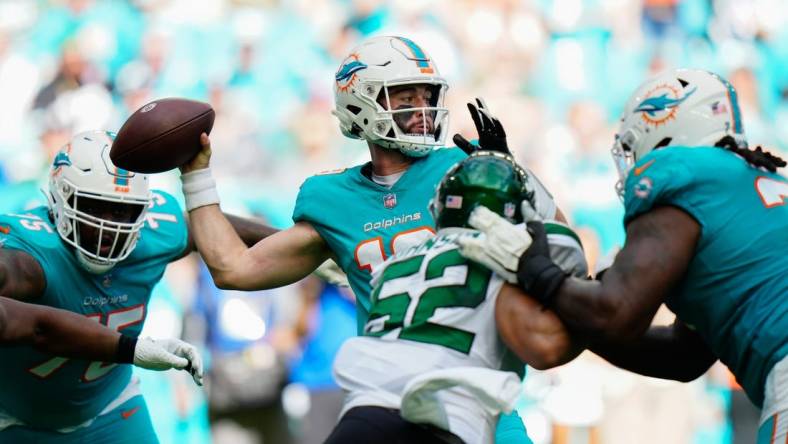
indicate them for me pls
(500, 246)
(165, 354)
(330, 272)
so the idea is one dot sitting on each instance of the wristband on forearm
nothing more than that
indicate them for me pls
(540, 278)
(537, 274)
(199, 189)
(125, 352)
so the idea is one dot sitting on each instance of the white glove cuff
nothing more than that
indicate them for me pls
(199, 189)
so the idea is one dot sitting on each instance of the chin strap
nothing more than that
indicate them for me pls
(537, 274)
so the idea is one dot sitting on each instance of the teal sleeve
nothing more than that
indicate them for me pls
(660, 178)
(12, 242)
(511, 430)
(455, 153)
(316, 202)
(304, 201)
(166, 226)
(35, 237)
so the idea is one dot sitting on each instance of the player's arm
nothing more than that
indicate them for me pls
(70, 335)
(537, 336)
(21, 276)
(668, 352)
(251, 231)
(56, 331)
(277, 260)
(659, 247)
(280, 259)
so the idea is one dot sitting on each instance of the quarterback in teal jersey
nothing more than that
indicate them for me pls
(707, 234)
(388, 92)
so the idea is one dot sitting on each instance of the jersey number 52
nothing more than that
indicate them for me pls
(411, 292)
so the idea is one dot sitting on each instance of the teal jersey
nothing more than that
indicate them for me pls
(364, 223)
(734, 291)
(46, 391)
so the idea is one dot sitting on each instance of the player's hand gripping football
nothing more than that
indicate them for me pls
(166, 354)
(492, 136)
(202, 160)
(499, 247)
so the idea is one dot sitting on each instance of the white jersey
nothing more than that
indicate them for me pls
(434, 310)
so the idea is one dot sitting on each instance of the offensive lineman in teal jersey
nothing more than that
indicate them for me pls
(97, 249)
(441, 327)
(707, 234)
(388, 92)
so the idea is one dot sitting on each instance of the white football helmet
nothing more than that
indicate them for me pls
(98, 208)
(367, 74)
(687, 107)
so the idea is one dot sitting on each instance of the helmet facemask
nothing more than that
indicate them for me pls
(103, 230)
(624, 158)
(414, 130)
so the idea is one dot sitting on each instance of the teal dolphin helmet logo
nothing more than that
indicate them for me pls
(652, 105)
(346, 75)
(661, 103)
(349, 69)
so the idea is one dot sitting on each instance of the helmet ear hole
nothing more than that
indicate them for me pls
(355, 130)
(663, 143)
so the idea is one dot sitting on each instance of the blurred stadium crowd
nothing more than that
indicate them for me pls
(555, 71)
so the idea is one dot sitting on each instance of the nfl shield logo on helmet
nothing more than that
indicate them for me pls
(390, 200)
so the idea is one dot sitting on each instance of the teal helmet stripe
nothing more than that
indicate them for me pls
(421, 58)
(733, 98)
(121, 177)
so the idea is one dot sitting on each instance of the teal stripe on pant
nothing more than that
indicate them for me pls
(774, 430)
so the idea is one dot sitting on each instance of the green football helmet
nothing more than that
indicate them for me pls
(488, 178)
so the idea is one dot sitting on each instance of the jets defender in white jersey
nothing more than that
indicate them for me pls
(443, 350)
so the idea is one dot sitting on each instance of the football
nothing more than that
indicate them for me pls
(162, 135)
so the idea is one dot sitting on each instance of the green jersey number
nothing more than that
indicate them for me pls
(409, 294)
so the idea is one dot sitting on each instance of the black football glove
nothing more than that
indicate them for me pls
(492, 136)
(537, 274)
